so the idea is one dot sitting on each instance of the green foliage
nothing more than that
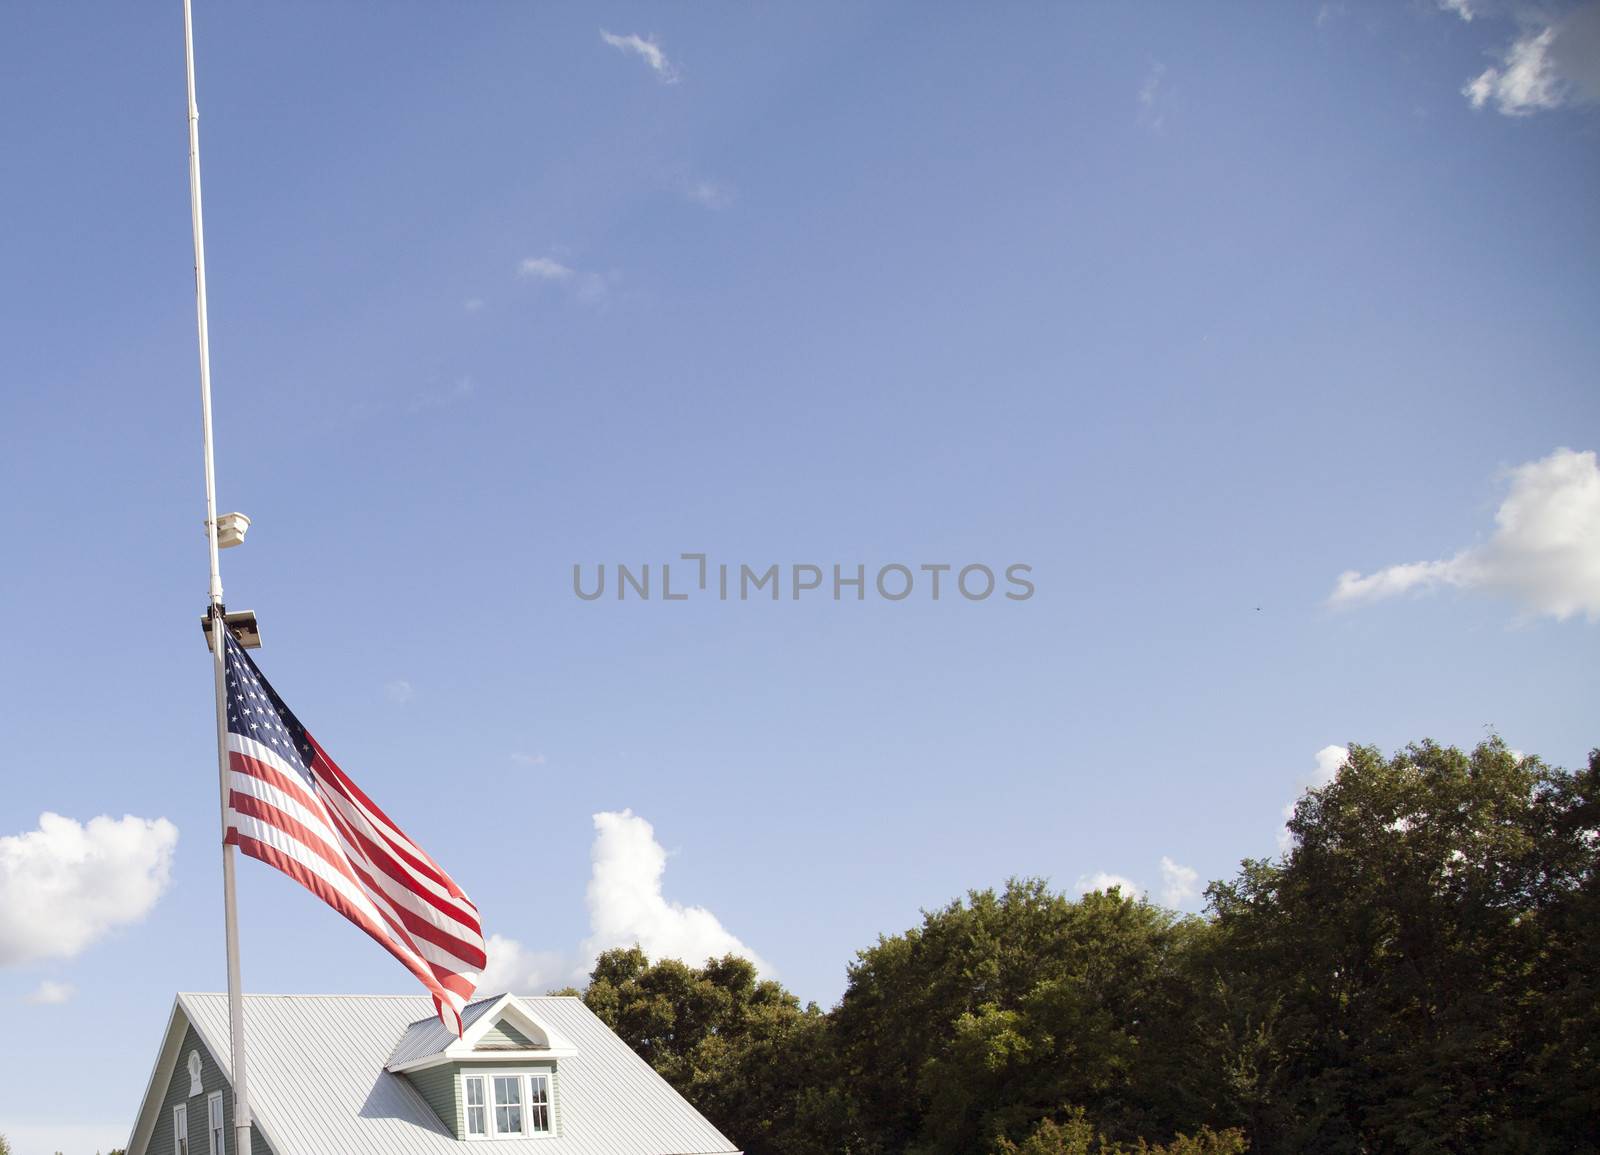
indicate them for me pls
(1419, 973)
(744, 1051)
(5, 1146)
(1001, 1009)
(1076, 1136)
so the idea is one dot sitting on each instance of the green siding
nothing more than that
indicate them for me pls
(502, 1036)
(441, 1087)
(177, 1091)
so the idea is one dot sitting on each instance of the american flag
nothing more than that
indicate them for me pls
(290, 806)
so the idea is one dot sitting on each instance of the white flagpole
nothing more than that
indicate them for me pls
(241, 1098)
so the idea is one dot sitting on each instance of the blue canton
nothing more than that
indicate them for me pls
(256, 712)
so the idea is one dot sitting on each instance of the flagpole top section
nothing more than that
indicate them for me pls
(242, 625)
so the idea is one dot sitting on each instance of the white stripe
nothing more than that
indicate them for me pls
(398, 897)
(286, 843)
(361, 896)
(470, 933)
(317, 821)
(293, 848)
(357, 816)
(417, 946)
(394, 892)
(250, 748)
(383, 834)
(421, 946)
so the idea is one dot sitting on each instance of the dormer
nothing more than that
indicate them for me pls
(499, 1080)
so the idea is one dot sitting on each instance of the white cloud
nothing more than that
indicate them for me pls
(589, 288)
(646, 49)
(399, 690)
(1552, 64)
(626, 906)
(1330, 759)
(528, 759)
(51, 993)
(1545, 551)
(707, 193)
(544, 269)
(1462, 8)
(1151, 99)
(514, 968)
(1103, 880)
(472, 304)
(67, 884)
(1179, 883)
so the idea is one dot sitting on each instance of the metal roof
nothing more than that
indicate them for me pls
(318, 1084)
(429, 1036)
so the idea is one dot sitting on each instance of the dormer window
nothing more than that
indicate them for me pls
(498, 1080)
(502, 1104)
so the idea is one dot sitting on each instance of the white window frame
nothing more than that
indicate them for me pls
(525, 1076)
(520, 1084)
(216, 1124)
(467, 1105)
(180, 1129)
(529, 1103)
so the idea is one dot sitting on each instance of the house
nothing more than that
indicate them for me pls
(379, 1075)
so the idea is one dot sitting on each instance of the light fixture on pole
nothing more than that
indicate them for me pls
(240, 623)
(231, 528)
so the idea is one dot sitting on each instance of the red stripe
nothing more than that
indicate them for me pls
(319, 887)
(396, 849)
(455, 983)
(407, 922)
(471, 954)
(380, 858)
(294, 828)
(411, 852)
(295, 787)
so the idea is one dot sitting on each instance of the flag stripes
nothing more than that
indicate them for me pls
(290, 806)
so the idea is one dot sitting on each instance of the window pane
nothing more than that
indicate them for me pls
(539, 1117)
(475, 1092)
(538, 1089)
(508, 1104)
(477, 1120)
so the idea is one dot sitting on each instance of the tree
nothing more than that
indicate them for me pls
(1417, 973)
(1076, 1136)
(1420, 972)
(1000, 1011)
(742, 1050)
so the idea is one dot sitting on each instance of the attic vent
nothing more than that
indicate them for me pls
(504, 1037)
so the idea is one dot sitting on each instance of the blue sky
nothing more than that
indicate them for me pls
(1192, 312)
